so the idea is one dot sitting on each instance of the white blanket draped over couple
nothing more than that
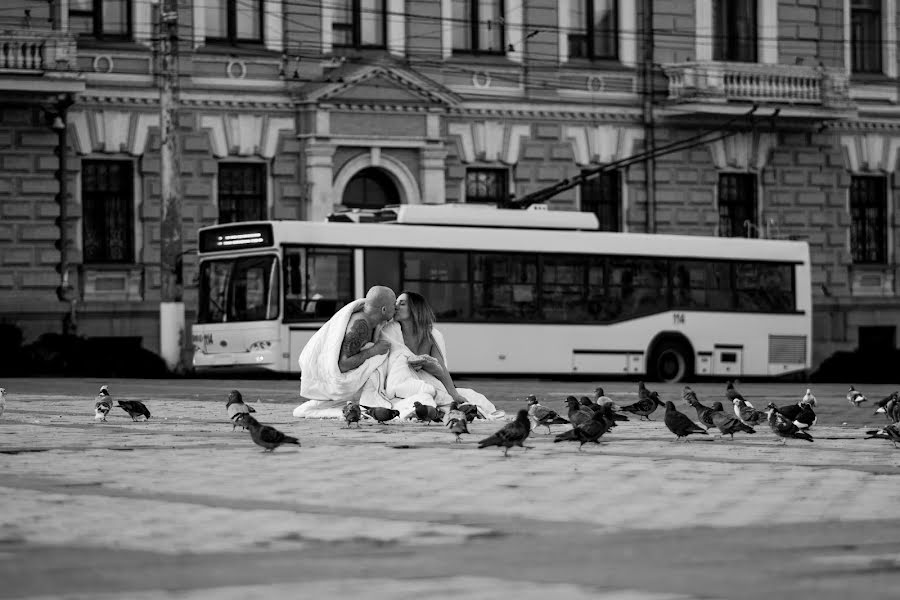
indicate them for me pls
(386, 380)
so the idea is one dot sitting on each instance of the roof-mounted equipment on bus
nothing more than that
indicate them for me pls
(472, 215)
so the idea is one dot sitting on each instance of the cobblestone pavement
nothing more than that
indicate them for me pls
(181, 506)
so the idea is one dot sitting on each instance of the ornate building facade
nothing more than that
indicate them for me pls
(291, 109)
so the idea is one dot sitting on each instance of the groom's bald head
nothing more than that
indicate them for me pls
(381, 299)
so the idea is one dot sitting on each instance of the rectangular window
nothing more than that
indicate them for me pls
(234, 21)
(737, 205)
(238, 289)
(505, 287)
(102, 19)
(594, 29)
(359, 23)
(735, 30)
(317, 282)
(564, 289)
(601, 195)
(865, 36)
(487, 186)
(107, 197)
(443, 278)
(478, 26)
(242, 192)
(868, 220)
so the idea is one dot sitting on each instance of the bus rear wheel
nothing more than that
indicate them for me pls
(671, 363)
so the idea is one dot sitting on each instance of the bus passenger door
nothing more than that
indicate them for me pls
(299, 337)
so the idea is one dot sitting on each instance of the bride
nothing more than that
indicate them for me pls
(417, 364)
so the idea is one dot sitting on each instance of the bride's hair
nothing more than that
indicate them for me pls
(422, 316)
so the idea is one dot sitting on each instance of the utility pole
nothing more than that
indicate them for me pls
(171, 300)
(647, 90)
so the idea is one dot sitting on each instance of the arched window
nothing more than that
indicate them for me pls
(370, 188)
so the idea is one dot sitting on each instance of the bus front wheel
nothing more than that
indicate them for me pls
(671, 363)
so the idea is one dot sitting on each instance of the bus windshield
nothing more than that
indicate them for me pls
(238, 289)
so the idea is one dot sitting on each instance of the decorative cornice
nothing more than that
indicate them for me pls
(841, 126)
(401, 108)
(567, 115)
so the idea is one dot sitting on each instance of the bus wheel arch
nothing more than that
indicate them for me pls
(670, 358)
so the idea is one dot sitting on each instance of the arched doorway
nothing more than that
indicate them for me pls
(370, 188)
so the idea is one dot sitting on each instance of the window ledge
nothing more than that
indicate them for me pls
(872, 280)
(225, 48)
(125, 45)
(495, 60)
(864, 78)
(120, 282)
(596, 64)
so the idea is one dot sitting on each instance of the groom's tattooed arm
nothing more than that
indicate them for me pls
(352, 354)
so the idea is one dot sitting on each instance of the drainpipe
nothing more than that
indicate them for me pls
(647, 117)
(64, 292)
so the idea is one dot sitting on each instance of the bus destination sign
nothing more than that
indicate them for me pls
(235, 237)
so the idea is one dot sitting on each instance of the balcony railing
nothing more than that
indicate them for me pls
(36, 51)
(753, 82)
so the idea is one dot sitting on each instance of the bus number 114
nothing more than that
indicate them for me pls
(678, 318)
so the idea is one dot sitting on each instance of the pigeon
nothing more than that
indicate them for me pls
(453, 412)
(578, 414)
(543, 415)
(892, 409)
(703, 412)
(381, 414)
(608, 410)
(589, 404)
(726, 423)
(855, 397)
(732, 393)
(235, 406)
(591, 431)
(784, 428)
(679, 423)
(2, 400)
(470, 410)
(646, 405)
(103, 403)
(890, 432)
(886, 404)
(352, 413)
(748, 415)
(134, 408)
(511, 434)
(458, 427)
(265, 436)
(809, 398)
(801, 414)
(600, 397)
(427, 413)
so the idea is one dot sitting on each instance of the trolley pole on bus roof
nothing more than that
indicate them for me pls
(171, 295)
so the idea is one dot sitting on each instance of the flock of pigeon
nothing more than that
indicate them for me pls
(588, 419)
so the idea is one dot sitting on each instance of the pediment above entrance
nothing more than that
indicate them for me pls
(378, 84)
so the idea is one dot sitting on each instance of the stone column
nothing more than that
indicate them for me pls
(319, 179)
(432, 176)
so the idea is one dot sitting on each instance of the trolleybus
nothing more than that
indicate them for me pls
(514, 292)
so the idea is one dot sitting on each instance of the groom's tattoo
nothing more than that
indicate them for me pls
(356, 338)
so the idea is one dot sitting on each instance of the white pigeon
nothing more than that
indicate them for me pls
(2, 400)
(809, 398)
(103, 404)
(855, 397)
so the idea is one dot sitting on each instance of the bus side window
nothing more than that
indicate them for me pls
(294, 271)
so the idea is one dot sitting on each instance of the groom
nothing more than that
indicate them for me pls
(377, 309)
(340, 357)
